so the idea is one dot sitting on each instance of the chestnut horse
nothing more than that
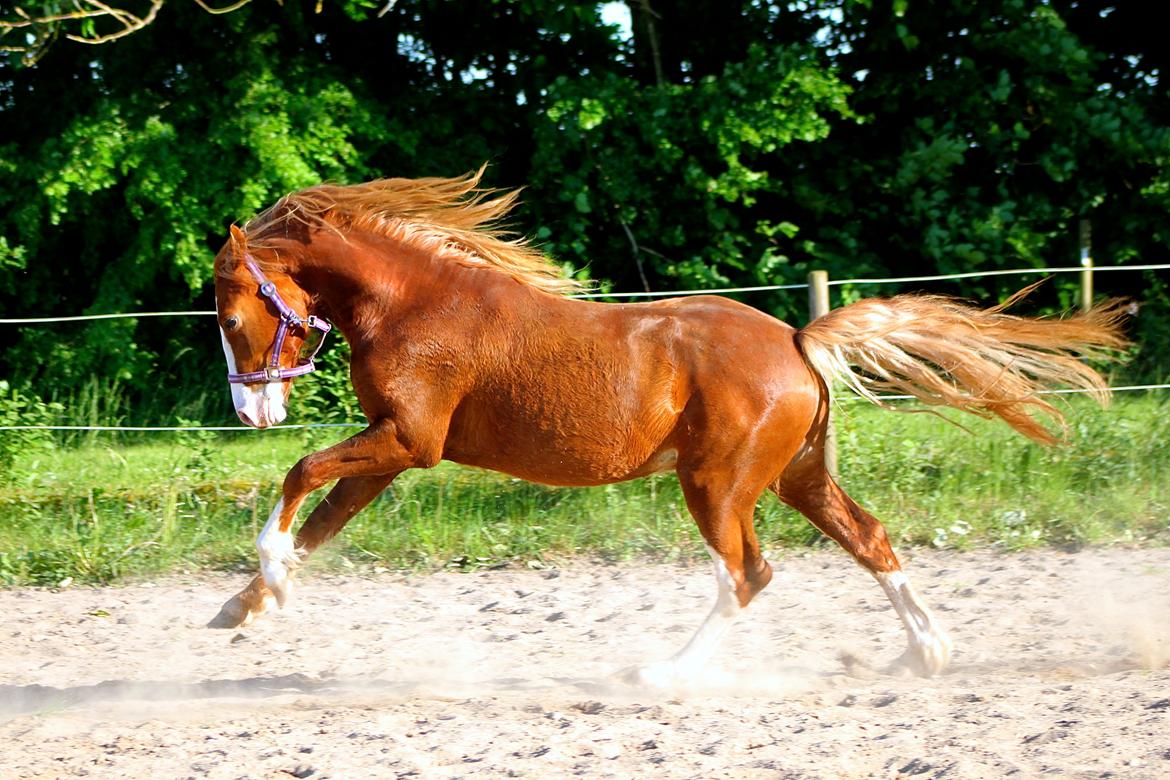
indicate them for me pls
(466, 348)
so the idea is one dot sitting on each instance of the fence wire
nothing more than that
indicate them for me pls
(667, 294)
(302, 426)
(664, 294)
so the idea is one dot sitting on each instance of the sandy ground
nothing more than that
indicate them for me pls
(1062, 667)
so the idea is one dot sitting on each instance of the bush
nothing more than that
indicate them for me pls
(17, 409)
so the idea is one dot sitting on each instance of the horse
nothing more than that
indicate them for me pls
(467, 345)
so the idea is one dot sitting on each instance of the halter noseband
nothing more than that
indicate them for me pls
(288, 318)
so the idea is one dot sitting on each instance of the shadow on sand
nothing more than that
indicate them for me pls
(16, 700)
(26, 699)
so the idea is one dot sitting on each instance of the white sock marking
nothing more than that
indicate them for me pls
(689, 664)
(930, 647)
(277, 555)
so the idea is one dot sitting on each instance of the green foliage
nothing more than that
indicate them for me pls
(719, 143)
(672, 176)
(1151, 332)
(137, 184)
(326, 397)
(998, 129)
(951, 488)
(728, 143)
(18, 409)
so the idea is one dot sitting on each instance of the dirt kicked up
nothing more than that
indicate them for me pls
(1061, 666)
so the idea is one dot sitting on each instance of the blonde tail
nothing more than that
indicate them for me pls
(946, 352)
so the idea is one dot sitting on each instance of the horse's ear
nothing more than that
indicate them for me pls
(239, 241)
(236, 248)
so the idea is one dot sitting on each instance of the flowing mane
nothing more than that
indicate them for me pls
(455, 216)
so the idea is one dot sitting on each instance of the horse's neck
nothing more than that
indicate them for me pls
(364, 279)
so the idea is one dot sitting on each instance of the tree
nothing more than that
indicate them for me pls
(718, 143)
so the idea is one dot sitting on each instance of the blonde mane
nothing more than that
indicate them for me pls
(454, 217)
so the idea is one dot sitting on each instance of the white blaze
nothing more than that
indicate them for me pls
(256, 407)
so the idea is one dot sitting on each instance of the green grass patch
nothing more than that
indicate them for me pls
(122, 505)
(937, 484)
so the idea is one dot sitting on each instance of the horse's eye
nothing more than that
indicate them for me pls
(231, 323)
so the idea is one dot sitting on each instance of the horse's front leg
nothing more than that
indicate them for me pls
(348, 497)
(365, 464)
(377, 451)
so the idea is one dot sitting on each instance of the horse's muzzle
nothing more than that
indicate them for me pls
(260, 406)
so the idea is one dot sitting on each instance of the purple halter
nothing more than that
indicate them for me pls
(288, 318)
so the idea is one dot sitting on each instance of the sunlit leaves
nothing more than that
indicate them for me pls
(682, 167)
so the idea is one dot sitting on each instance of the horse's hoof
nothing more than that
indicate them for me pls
(234, 614)
(661, 675)
(928, 660)
(935, 656)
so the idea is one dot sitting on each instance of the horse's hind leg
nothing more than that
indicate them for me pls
(345, 500)
(807, 487)
(724, 513)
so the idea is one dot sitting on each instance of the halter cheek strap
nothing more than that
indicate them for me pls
(288, 318)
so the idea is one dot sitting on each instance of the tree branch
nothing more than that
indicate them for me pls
(225, 10)
(45, 28)
(28, 21)
(130, 22)
(637, 254)
(652, 33)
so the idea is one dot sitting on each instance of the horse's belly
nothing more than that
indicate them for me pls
(561, 449)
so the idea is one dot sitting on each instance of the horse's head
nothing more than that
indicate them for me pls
(268, 336)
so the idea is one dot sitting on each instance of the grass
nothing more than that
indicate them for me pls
(113, 506)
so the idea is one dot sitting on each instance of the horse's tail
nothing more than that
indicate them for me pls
(946, 352)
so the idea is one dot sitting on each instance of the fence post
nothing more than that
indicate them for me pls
(1086, 242)
(818, 305)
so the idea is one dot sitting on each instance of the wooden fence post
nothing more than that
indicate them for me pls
(1086, 242)
(818, 305)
